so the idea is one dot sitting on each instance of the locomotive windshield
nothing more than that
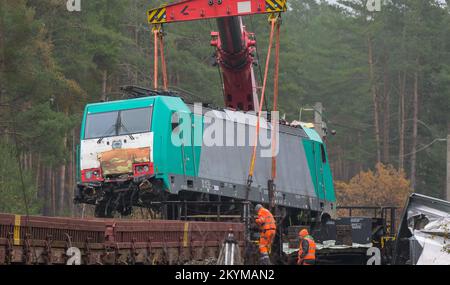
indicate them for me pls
(116, 123)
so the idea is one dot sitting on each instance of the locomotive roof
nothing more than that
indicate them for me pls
(178, 104)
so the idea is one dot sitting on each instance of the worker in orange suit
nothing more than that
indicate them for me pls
(267, 227)
(307, 249)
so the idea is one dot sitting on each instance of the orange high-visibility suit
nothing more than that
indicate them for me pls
(307, 249)
(268, 228)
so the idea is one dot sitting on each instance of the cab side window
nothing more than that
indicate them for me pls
(175, 120)
(324, 156)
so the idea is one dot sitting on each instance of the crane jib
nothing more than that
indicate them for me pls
(191, 10)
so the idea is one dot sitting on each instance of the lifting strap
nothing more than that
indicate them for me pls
(155, 62)
(163, 60)
(275, 123)
(252, 163)
(158, 36)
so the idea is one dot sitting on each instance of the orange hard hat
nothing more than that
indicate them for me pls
(303, 233)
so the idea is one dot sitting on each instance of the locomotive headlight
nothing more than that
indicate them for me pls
(143, 169)
(90, 175)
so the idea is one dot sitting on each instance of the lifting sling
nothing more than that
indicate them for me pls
(275, 27)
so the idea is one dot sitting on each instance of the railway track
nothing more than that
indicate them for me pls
(53, 240)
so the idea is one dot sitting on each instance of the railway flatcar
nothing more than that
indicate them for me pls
(139, 151)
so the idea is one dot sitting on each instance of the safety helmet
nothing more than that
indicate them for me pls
(258, 207)
(303, 233)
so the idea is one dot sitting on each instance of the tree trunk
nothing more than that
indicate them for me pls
(136, 40)
(62, 177)
(401, 154)
(2, 57)
(104, 85)
(47, 191)
(360, 160)
(386, 111)
(38, 175)
(53, 192)
(414, 130)
(69, 178)
(375, 100)
(402, 116)
(62, 188)
(69, 185)
(30, 161)
(73, 172)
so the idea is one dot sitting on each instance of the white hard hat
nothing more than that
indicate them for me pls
(257, 207)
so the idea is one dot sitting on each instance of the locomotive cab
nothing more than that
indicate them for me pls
(116, 157)
(115, 153)
(116, 145)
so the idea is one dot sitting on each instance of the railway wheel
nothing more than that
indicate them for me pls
(126, 211)
(104, 209)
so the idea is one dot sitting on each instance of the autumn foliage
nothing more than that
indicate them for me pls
(386, 186)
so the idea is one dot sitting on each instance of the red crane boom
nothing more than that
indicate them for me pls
(235, 46)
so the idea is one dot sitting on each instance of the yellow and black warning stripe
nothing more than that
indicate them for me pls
(186, 234)
(157, 16)
(275, 6)
(17, 219)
